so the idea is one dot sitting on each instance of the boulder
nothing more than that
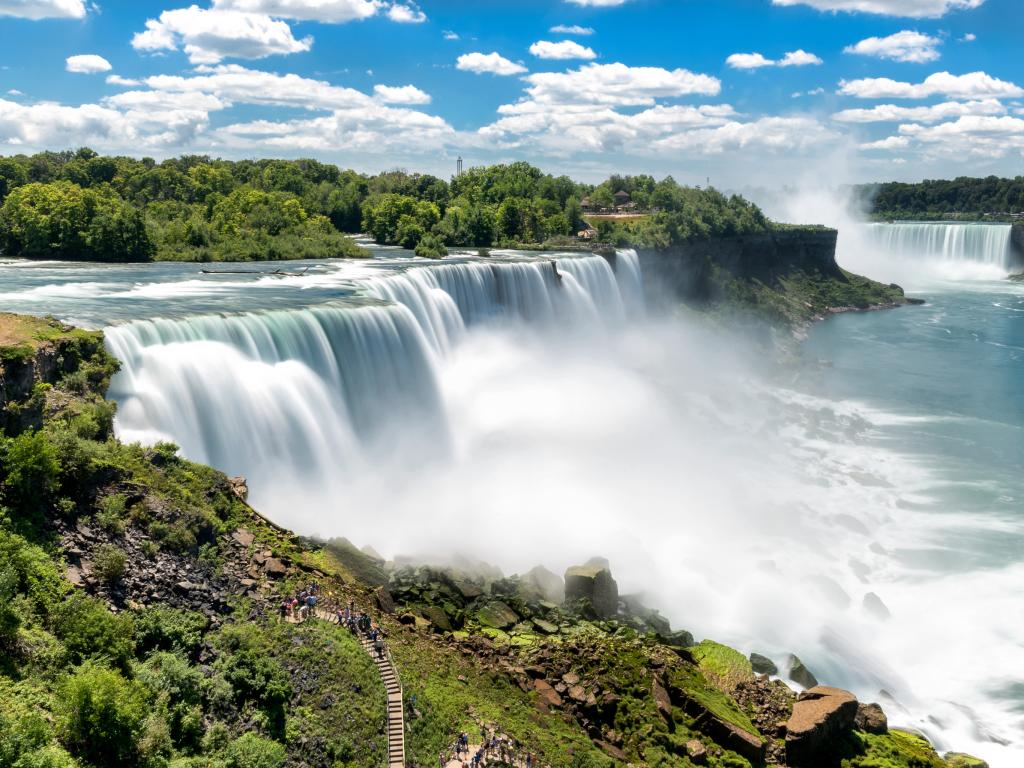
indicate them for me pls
(679, 639)
(243, 537)
(593, 582)
(498, 615)
(871, 719)
(541, 584)
(239, 487)
(384, 600)
(960, 760)
(661, 699)
(762, 665)
(800, 674)
(437, 617)
(697, 752)
(822, 717)
(547, 694)
(274, 568)
(545, 627)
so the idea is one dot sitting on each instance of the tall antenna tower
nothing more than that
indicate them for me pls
(458, 168)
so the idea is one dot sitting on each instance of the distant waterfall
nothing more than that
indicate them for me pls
(313, 392)
(982, 244)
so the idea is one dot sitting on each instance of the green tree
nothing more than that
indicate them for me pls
(101, 716)
(253, 751)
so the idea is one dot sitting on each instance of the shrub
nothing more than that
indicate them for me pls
(30, 473)
(252, 751)
(50, 756)
(90, 631)
(431, 247)
(21, 731)
(109, 563)
(110, 513)
(101, 716)
(168, 629)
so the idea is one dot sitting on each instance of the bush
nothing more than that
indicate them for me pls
(90, 631)
(431, 247)
(169, 629)
(109, 563)
(252, 751)
(110, 512)
(101, 716)
(29, 471)
(22, 731)
(50, 756)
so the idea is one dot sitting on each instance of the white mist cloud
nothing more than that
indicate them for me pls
(43, 9)
(571, 29)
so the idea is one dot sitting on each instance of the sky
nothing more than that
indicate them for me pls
(744, 92)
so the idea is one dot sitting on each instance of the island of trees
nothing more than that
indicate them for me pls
(81, 205)
(963, 198)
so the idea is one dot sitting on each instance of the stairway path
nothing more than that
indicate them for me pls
(392, 684)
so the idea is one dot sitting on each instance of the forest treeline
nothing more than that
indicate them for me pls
(81, 205)
(963, 198)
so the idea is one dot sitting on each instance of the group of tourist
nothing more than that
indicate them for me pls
(493, 749)
(302, 605)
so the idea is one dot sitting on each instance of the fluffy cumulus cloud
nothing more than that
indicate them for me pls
(798, 58)
(172, 113)
(908, 46)
(488, 63)
(888, 143)
(406, 14)
(406, 94)
(974, 85)
(767, 134)
(914, 9)
(571, 29)
(977, 136)
(326, 11)
(618, 85)
(598, 3)
(209, 36)
(566, 49)
(891, 113)
(43, 9)
(87, 64)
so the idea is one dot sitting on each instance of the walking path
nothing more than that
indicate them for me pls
(392, 683)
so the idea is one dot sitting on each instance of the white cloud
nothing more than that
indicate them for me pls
(118, 80)
(449, 35)
(406, 94)
(326, 11)
(43, 9)
(406, 14)
(769, 134)
(890, 113)
(598, 3)
(798, 58)
(571, 29)
(970, 37)
(14, 92)
(903, 46)
(970, 136)
(914, 9)
(566, 49)
(748, 61)
(87, 64)
(891, 142)
(209, 36)
(492, 63)
(618, 84)
(975, 85)
(813, 92)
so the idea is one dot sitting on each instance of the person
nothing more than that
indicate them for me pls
(283, 610)
(378, 645)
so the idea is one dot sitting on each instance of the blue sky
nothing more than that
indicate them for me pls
(764, 92)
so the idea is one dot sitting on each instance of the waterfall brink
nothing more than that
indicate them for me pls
(985, 245)
(311, 395)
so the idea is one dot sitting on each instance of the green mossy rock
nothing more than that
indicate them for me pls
(724, 666)
(497, 615)
(960, 760)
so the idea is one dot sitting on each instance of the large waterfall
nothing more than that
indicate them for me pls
(983, 244)
(283, 396)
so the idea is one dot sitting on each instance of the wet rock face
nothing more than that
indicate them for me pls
(800, 674)
(871, 719)
(762, 665)
(821, 717)
(593, 582)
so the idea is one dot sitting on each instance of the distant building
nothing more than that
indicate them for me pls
(622, 199)
(586, 204)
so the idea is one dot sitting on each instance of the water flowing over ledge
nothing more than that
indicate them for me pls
(986, 245)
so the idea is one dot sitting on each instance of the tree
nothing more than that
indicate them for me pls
(101, 716)
(431, 247)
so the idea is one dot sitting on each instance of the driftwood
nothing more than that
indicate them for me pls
(274, 273)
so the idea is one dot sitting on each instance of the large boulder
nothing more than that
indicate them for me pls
(762, 665)
(821, 718)
(541, 584)
(871, 719)
(799, 673)
(960, 760)
(593, 582)
(498, 615)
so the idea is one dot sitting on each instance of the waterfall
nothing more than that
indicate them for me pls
(982, 244)
(310, 394)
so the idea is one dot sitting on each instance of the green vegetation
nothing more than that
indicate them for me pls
(961, 198)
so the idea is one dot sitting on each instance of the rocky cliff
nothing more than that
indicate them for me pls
(1017, 246)
(788, 275)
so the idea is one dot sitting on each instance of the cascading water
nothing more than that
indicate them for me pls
(956, 251)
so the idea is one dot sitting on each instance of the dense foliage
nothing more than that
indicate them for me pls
(79, 205)
(937, 199)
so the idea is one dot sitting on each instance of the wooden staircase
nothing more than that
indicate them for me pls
(393, 685)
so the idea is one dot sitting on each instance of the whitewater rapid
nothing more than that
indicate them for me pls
(521, 410)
